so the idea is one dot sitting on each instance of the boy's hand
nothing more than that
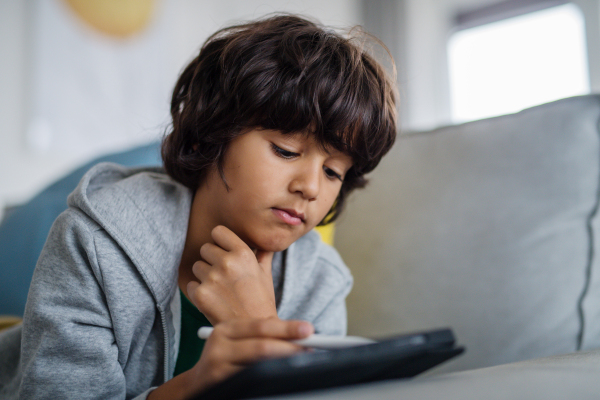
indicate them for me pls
(231, 346)
(233, 281)
(237, 343)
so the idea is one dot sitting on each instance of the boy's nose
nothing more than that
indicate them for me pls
(307, 183)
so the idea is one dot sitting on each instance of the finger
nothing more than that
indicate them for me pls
(196, 294)
(207, 303)
(265, 259)
(227, 239)
(200, 270)
(191, 287)
(247, 351)
(266, 328)
(211, 253)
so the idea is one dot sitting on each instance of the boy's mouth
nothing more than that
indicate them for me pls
(289, 216)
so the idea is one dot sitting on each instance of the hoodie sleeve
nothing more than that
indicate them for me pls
(315, 285)
(332, 317)
(68, 346)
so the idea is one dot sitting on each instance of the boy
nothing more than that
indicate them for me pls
(274, 123)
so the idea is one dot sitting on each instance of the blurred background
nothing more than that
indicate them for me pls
(82, 78)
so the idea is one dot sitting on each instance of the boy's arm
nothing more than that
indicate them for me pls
(69, 349)
(68, 346)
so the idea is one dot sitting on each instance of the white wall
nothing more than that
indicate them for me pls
(416, 32)
(424, 77)
(427, 25)
(13, 26)
(24, 170)
(199, 19)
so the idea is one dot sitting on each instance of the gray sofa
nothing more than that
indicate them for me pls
(491, 228)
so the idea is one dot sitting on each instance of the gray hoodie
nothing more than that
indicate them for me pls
(102, 318)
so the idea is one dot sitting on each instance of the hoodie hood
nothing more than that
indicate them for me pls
(146, 213)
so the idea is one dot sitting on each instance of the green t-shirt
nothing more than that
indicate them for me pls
(190, 345)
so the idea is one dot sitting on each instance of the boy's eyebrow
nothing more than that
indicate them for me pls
(327, 147)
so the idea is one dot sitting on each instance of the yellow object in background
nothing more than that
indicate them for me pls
(326, 233)
(120, 18)
(6, 321)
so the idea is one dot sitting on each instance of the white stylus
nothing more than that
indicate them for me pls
(326, 342)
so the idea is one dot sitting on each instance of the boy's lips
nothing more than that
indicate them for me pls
(289, 216)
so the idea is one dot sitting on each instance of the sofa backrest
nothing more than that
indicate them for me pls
(24, 229)
(489, 227)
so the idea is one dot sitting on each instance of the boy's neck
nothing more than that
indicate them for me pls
(200, 226)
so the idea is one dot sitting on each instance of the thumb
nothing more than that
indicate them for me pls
(264, 258)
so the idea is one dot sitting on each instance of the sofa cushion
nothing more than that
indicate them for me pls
(489, 227)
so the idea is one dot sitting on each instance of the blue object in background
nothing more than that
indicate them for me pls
(24, 229)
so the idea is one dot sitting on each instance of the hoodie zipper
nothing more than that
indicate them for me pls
(163, 319)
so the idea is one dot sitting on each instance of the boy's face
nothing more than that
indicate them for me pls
(280, 187)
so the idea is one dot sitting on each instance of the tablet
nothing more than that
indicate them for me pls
(397, 357)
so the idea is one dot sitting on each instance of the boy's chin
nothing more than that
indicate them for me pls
(271, 246)
(272, 243)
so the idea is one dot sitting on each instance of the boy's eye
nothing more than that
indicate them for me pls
(331, 173)
(282, 152)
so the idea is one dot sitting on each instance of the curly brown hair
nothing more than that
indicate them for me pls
(284, 73)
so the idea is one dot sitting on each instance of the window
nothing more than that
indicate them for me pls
(515, 63)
